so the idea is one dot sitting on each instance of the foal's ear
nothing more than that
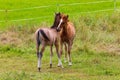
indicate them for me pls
(67, 16)
(57, 13)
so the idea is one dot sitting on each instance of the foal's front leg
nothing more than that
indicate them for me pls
(61, 48)
(59, 60)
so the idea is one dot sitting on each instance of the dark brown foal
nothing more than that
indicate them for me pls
(67, 35)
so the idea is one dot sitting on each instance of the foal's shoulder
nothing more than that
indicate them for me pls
(69, 23)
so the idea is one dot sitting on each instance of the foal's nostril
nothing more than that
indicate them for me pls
(58, 30)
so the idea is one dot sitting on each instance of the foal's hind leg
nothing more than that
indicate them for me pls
(59, 60)
(65, 52)
(69, 55)
(40, 54)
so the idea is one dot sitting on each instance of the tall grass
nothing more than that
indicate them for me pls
(7, 16)
(93, 30)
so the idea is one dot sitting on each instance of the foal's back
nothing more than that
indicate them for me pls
(70, 30)
(68, 34)
(51, 33)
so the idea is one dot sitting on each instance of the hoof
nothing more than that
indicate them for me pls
(59, 65)
(65, 61)
(50, 65)
(39, 69)
(62, 67)
(70, 64)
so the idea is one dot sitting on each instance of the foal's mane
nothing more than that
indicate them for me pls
(56, 22)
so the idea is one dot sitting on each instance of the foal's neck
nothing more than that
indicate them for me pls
(64, 30)
(54, 24)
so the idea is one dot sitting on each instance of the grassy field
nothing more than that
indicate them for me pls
(46, 13)
(96, 49)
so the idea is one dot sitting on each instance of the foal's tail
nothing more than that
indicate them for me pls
(37, 34)
(37, 38)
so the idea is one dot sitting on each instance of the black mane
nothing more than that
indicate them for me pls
(56, 20)
(54, 24)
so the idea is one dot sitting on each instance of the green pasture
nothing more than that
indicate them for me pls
(47, 13)
(96, 48)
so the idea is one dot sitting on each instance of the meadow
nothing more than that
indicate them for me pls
(96, 49)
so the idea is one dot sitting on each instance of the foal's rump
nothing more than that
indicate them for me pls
(46, 35)
(42, 35)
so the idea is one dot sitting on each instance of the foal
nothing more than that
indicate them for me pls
(48, 36)
(67, 35)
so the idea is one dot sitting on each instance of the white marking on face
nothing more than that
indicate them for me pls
(61, 20)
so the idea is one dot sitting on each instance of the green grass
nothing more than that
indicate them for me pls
(19, 64)
(95, 36)
(42, 12)
(95, 53)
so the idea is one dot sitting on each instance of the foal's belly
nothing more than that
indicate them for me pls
(65, 40)
(49, 43)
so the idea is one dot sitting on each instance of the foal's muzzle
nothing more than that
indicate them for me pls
(58, 30)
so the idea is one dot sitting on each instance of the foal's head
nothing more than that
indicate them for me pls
(63, 19)
(56, 20)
